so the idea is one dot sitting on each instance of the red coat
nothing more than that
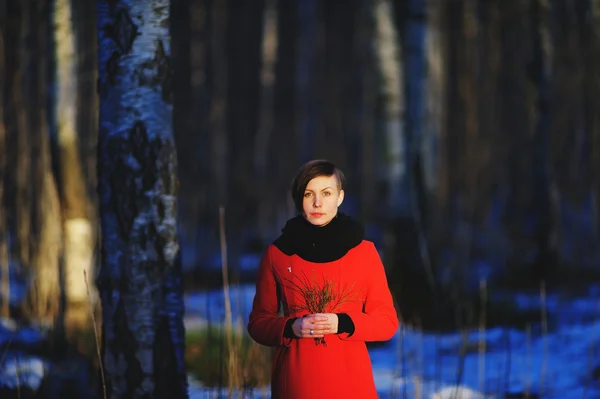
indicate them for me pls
(342, 368)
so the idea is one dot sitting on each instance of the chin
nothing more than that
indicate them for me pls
(318, 222)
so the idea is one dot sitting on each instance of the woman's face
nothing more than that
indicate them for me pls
(321, 200)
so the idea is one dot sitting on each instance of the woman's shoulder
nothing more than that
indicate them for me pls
(274, 251)
(366, 245)
(364, 248)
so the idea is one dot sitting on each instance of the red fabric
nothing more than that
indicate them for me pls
(342, 368)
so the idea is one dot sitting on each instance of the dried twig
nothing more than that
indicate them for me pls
(320, 296)
(87, 288)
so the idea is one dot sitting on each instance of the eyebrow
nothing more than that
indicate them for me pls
(328, 187)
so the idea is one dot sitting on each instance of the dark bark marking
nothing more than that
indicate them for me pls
(112, 66)
(164, 71)
(165, 364)
(122, 185)
(129, 180)
(144, 152)
(127, 345)
(158, 72)
(125, 30)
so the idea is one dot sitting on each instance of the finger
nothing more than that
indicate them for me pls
(321, 330)
(318, 321)
(315, 333)
(317, 317)
(306, 324)
(320, 326)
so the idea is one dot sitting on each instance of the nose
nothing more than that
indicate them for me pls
(317, 202)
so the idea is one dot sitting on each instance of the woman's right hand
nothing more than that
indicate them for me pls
(318, 325)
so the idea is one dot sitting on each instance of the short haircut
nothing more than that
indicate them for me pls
(310, 170)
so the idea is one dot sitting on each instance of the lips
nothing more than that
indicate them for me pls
(317, 215)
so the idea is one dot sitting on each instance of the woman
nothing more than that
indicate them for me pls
(333, 291)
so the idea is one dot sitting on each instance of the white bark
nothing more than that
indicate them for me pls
(388, 52)
(140, 276)
(78, 231)
(79, 258)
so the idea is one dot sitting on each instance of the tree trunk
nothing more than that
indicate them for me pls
(4, 229)
(266, 119)
(434, 103)
(516, 122)
(244, 40)
(85, 31)
(414, 59)
(546, 195)
(305, 89)
(218, 107)
(277, 206)
(592, 114)
(391, 84)
(78, 230)
(140, 277)
(44, 238)
(331, 71)
(366, 109)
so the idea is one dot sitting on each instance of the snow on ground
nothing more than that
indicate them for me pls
(18, 369)
(415, 364)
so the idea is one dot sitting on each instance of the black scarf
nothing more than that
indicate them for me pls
(320, 244)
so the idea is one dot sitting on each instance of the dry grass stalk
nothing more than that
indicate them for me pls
(527, 359)
(321, 296)
(95, 336)
(232, 361)
(18, 380)
(5, 310)
(544, 336)
(482, 343)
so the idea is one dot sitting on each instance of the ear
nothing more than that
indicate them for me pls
(340, 198)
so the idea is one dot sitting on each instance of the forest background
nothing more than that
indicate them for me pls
(469, 132)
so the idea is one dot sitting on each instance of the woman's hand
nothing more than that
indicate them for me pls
(313, 326)
(332, 320)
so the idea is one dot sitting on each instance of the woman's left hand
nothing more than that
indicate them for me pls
(332, 319)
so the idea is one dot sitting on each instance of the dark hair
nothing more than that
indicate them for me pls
(310, 170)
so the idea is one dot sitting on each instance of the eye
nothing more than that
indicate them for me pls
(306, 195)
(327, 193)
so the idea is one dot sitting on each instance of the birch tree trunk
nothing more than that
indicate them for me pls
(391, 88)
(140, 277)
(77, 226)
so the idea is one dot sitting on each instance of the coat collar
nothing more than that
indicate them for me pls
(320, 244)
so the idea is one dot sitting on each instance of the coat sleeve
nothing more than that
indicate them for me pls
(265, 325)
(378, 321)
